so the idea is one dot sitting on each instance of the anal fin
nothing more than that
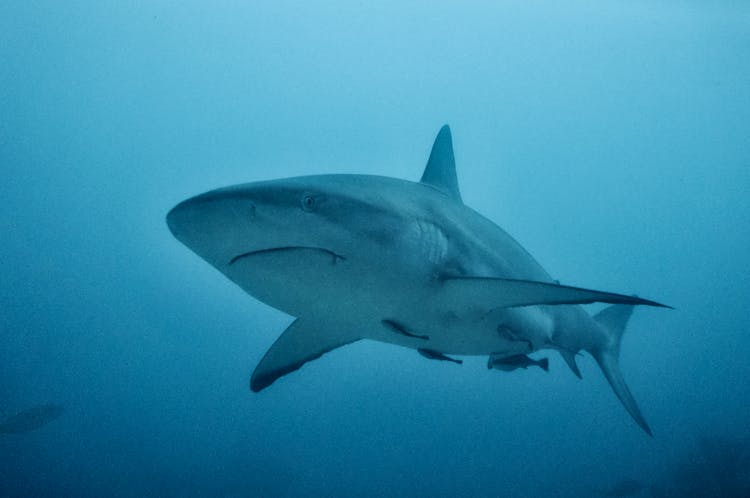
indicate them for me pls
(570, 359)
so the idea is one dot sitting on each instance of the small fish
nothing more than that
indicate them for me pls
(510, 363)
(435, 355)
(30, 419)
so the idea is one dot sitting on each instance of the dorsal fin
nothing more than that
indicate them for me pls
(440, 171)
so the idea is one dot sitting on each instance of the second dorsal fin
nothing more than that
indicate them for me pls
(440, 171)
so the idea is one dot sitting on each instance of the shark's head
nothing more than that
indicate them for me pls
(281, 239)
(223, 224)
(227, 225)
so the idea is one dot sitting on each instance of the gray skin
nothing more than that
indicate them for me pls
(30, 419)
(369, 257)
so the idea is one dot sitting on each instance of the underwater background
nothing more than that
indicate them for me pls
(611, 139)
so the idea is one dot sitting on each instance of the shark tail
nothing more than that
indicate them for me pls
(613, 320)
(544, 364)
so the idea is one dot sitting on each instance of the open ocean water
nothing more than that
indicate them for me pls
(610, 138)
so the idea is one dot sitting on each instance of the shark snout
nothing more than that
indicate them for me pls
(173, 217)
(214, 213)
(179, 218)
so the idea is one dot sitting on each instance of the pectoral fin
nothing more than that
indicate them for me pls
(493, 293)
(302, 341)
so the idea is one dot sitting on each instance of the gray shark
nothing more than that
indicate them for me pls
(31, 419)
(408, 263)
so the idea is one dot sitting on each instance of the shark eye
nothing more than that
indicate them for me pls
(308, 203)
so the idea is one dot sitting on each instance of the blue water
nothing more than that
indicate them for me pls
(612, 139)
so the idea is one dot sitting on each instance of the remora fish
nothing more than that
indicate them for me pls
(369, 257)
(510, 363)
(434, 355)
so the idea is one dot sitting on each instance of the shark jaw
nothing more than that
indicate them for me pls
(367, 257)
(257, 252)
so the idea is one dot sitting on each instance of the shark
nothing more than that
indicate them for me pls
(354, 257)
(31, 419)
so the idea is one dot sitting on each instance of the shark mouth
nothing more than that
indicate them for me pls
(335, 257)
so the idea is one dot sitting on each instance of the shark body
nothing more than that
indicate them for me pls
(408, 263)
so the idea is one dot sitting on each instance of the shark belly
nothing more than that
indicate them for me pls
(471, 332)
(377, 302)
(398, 300)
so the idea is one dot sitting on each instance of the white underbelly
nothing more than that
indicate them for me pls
(507, 331)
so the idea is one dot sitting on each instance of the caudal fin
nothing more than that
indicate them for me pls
(544, 364)
(613, 319)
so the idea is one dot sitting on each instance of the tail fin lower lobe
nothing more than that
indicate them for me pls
(614, 319)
